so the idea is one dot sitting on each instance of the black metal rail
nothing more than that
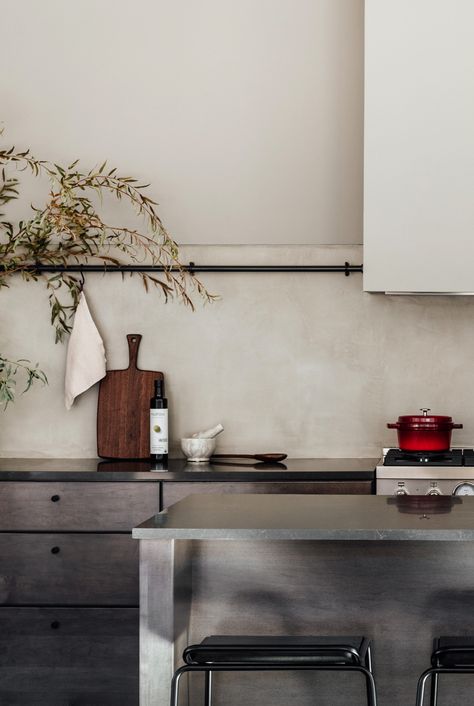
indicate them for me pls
(192, 267)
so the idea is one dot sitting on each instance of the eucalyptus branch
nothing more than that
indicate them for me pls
(8, 372)
(69, 230)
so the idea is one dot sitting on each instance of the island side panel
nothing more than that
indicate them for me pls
(400, 593)
(165, 592)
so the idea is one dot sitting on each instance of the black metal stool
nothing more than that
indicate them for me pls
(451, 655)
(221, 653)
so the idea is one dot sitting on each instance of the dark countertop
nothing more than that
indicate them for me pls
(93, 469)
(313, 517)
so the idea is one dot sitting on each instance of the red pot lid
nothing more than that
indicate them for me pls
(432, 419)
(428, 422)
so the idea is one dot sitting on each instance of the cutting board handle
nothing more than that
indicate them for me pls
(133, 346)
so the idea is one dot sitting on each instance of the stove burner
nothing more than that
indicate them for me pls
(468, 457)
(453, 457)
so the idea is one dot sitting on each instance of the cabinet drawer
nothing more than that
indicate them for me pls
(172, 492)
(107, 507)
(59, 656)
(77, 569)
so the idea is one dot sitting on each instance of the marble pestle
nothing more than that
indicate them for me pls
(209, 433)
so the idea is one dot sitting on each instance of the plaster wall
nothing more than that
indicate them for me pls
(247, 118)
(307, 363)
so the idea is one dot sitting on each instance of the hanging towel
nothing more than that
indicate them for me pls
(85, 362)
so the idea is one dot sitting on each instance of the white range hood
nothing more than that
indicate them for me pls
(419, 147)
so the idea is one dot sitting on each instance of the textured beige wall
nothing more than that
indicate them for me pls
(308, 364)
(247, 118)
(246, 115)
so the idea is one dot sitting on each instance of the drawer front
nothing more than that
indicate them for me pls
(76, 569)
(172, 492)
(107, 507)
(59, 656)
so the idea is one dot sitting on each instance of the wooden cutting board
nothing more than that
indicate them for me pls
(123, 411)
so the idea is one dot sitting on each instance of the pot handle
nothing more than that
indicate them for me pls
(393, 426)
(456, 426)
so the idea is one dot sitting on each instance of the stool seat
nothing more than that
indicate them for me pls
(248, 653)
(225, 649)
(452, 652)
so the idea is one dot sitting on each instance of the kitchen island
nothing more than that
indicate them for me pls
(398, 570)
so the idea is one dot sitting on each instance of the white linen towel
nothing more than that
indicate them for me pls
(85, 361)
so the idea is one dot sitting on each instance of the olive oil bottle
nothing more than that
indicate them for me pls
(159, 423)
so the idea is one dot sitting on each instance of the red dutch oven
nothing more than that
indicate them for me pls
(425, 432)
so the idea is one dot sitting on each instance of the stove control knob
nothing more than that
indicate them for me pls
(402, 491)
(434, 491)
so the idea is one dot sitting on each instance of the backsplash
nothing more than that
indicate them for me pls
(302, 363)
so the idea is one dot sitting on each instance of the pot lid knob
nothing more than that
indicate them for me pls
(425, 411)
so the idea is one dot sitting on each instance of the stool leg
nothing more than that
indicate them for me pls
(369, 680)
(370, 684)
(371, 697)
(368, 659)
(434, 689)
(208, 691)
(175, 685)
(369, 665)
(420, 690)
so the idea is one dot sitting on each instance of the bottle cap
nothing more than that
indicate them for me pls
(159, 388)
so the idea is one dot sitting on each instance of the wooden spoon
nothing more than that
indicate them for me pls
(263, 458)
(270, 465)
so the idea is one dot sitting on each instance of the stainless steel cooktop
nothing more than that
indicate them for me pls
(426, 474)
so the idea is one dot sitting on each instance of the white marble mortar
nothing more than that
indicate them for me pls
(198, 450)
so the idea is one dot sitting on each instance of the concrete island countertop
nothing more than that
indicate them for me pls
(313, 517)
(96, 469)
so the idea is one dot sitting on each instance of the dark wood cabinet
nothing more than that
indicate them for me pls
(68, 569)
(69, 657)
(69, 506)
(69, 544)
(172, 492)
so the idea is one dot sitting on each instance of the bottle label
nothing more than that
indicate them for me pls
(158, 431)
